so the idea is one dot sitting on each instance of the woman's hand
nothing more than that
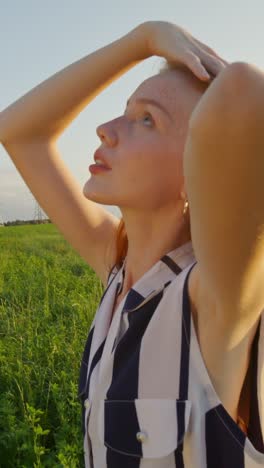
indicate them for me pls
(178, 46)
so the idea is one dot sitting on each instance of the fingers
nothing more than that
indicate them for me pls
(193, 62)
(204, 67)
(211, 63)
(202, 58)
(204, 47)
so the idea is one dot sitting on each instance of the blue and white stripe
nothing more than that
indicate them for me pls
(148, 401)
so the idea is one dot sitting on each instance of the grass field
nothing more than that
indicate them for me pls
(48, 297)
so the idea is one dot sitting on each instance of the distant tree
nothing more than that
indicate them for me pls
(19, 222)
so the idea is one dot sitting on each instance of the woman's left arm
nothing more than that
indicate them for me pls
(224, 176)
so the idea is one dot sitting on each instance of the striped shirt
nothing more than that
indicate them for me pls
(147, 398)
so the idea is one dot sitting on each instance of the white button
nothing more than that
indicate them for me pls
(142, 436)
(87, 403)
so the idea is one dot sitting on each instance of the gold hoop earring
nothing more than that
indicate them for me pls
(186, 205)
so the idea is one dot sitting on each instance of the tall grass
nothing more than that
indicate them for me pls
(48, 297)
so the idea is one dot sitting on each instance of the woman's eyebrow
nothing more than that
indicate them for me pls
(154, 103)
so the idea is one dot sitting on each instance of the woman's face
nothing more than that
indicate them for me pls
(144, 147)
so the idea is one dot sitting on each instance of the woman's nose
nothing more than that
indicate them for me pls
(106, 134)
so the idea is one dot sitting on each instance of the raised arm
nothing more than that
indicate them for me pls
(224, 171)
(48, 109)
(30, 127)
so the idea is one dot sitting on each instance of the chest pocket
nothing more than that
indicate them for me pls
(145, 428)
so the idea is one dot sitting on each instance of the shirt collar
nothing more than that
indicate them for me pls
(158, 277)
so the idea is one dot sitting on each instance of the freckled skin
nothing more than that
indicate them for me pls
(147, 160)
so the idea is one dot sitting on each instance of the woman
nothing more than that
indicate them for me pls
(172, 372)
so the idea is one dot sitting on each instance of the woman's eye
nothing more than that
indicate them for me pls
(148, 116)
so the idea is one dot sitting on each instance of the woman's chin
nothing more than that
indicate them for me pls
(92, 196)
(96, 197)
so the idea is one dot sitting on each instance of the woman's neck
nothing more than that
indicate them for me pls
(150, 236)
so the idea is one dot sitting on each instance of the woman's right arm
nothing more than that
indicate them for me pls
(30, 127)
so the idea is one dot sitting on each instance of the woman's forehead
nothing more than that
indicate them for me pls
(164, 84)
(177, 90)
(167, 90)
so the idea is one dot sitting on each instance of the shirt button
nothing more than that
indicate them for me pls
(142, 436)
(87, 403)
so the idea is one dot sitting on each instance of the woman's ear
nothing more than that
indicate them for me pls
(183, 193)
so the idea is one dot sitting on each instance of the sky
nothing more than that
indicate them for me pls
(38, 39)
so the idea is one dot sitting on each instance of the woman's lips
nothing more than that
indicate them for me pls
(98, 168)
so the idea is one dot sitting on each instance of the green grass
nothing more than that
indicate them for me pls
(48, 297)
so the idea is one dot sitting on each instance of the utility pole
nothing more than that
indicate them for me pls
(39, 215)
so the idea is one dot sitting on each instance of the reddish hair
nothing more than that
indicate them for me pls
(121, 243)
